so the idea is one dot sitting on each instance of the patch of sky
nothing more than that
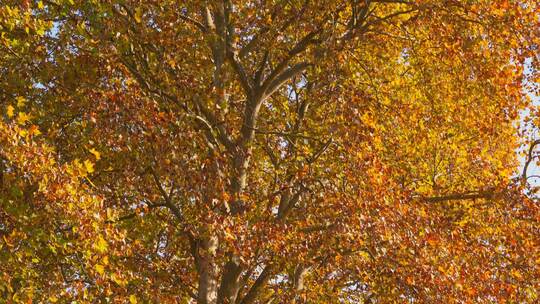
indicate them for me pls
(530, 132)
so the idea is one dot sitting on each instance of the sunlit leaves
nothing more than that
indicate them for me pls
(22, 118)
(100, 269)
(380, 170)
(10, 111)
(101, 244)
(96, 154)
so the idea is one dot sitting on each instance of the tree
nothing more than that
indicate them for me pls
(267, 151)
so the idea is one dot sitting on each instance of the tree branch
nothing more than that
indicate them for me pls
(242, 75)
(528, 161)
(488, 194)
(168, 203)
(278, 81)
(251, 295)
(196, 23)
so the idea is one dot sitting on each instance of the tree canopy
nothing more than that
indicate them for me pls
(269, 151)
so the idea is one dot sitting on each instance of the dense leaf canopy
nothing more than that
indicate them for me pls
(268, 151)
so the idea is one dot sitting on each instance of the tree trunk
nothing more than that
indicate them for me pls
(208, 271)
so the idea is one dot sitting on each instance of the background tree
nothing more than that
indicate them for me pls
(267, 151)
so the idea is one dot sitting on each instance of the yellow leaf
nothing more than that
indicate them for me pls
(138, 15)
(89, 166)
(101, 245)
(99, 268)
(53, 299)
(22, 118)
(40, 4)
(118, 280)
(132, 299)
(20, 101)
(10, 110)
(23, 132)
(95, 153)
(40, 31)
(365, 255)
(516, 274)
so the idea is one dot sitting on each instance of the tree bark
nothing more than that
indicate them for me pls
(208, 270)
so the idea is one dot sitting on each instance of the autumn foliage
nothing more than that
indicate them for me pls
(251, 151)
